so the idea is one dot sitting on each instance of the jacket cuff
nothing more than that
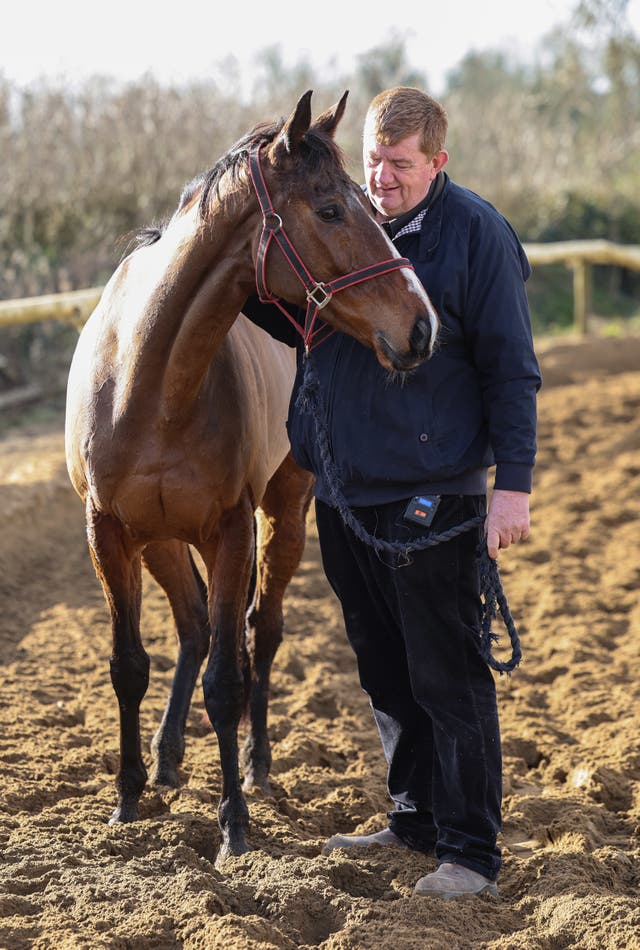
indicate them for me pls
(513, 477)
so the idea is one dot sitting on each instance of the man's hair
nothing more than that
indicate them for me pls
(396, 113)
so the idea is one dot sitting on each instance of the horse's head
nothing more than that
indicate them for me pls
(328, 221)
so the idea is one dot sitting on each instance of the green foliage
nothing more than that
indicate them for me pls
(551, 299)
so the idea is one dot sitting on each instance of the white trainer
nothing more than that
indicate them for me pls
(454, 880)
(385, 838)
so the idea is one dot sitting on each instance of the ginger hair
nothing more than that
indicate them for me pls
(396, 113)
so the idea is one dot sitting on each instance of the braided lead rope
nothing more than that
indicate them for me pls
(309, 400)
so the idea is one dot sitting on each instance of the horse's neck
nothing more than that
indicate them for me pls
(202, 278)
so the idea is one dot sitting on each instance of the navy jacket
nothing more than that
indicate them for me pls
(471, 405)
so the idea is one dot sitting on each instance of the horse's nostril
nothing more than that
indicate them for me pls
(420, 337)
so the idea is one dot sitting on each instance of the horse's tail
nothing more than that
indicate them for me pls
(198, 576)
(246, 662)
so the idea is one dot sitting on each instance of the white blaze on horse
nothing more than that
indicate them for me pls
(175, 430)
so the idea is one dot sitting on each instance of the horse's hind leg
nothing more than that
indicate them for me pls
(229, 561)
(171, 564)
(117, 563)
(281, 536)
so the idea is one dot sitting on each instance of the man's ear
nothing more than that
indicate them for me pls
(439, 160)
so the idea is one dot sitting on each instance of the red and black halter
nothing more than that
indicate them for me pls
(318, 293)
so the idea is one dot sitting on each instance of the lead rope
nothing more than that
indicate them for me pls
(309, 400)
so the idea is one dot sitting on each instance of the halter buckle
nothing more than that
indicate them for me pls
(271, 221)
(322, 301)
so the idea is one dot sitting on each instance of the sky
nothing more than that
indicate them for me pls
(189, 39)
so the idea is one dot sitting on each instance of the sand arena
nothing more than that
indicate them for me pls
(570, 721)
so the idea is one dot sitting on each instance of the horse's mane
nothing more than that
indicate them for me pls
(233, 162)
(316, 148)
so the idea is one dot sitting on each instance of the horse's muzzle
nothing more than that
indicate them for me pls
(421, 339)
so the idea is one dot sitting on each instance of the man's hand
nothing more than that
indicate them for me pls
(507, 520)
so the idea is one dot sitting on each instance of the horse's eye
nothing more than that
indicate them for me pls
(330, 213)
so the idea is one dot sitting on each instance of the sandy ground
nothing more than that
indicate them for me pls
(570, 718)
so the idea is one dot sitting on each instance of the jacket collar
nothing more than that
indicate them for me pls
(432, 223)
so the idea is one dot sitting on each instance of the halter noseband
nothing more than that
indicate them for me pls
(318, 293)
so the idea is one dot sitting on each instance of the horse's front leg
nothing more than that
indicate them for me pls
(172, 566)
(229, 562)
(117, 564)
(280, 545)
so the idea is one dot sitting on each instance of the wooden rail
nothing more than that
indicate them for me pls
(580, 256)
(71, 307)
(76, 305)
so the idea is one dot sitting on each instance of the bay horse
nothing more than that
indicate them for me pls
(175, 431)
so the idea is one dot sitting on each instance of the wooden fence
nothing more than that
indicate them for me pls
(580, 256)
(71, 307)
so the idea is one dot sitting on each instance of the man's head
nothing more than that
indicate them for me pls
(403, 148)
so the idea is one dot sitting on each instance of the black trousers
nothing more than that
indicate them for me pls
(414, 630)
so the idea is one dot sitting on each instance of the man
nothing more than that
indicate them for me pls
(433, 435)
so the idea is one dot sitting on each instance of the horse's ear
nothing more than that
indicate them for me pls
(328, 121)
(296, 126)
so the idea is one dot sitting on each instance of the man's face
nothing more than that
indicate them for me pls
(398, 176)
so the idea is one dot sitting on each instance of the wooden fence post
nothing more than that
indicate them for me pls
(582, 288)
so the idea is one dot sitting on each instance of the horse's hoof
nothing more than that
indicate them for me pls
(165, 775)
(228, 851)
(124, 814)
(253, 781)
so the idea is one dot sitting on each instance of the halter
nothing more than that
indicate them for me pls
(318, 293)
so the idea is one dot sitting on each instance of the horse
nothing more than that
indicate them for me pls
(175, 429)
